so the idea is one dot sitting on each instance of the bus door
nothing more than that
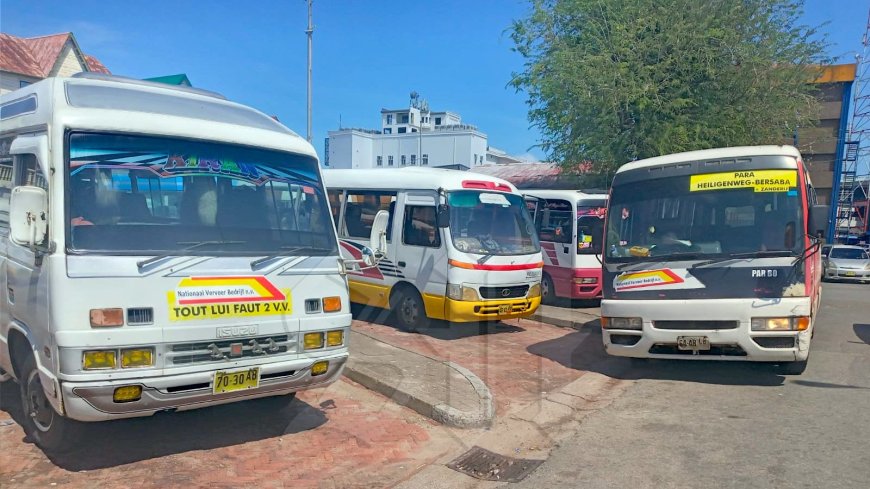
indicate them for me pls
(421, 254)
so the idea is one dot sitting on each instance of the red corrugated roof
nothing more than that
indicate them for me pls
(36, 56)
(95, 65)
(535, 175)
(15, 57)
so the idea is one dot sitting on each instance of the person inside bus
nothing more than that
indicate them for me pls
(93, 200)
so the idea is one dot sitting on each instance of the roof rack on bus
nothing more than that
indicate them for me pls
(134, 81)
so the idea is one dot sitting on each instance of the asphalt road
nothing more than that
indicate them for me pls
(711, 424)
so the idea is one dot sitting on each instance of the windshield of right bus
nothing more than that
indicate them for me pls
(709, 214)
(491, 223)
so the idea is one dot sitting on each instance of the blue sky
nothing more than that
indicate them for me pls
(367, 55)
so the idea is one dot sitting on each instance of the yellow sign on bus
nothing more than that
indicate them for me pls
(758, 180)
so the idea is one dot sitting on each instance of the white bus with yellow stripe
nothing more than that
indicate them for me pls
(461, 247)
(161, 249)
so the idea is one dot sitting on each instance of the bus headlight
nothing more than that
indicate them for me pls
(462, 292)
(535, 290)
(794, 323)
(621, 323)
(137, 357)
(99, 359)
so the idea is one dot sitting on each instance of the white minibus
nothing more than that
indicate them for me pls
(461, 247)
(161, 249)
(570, 225)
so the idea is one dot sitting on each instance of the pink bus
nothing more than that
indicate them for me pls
(570, 225)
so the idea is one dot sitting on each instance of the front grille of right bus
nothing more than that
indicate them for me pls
(504, 292)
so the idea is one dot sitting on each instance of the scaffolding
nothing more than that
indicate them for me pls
(855, 164)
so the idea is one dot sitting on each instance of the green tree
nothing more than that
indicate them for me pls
(611, 81)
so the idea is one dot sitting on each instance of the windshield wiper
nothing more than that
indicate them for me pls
(683, 255)
(193, 245)
(749, 254)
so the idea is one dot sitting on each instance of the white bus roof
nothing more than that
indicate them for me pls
(712, 154)
(117, 104)
(408, 178)
(564, 194)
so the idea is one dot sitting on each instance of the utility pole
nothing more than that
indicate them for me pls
(310, 33)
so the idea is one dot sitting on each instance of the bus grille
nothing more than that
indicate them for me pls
(715, 350)
(515, 307)
(504, 292)
(702, 324)
(220, 350)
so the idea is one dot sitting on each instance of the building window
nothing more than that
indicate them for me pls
(475, 158)
(403, 130)
(380, 161)
(23, 83)
(425, 160)
(390, 160)
(388, 130)
(413, 160)
(437, 121)
(389, 118)
(413, 129)
(403, 160)
(419, 227)
(404, 119)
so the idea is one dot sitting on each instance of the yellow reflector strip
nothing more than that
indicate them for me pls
(137, 357)
(102, 318)
(319, 368)
(97, 359)
(331, 304)
(334, 338)
(312, 341)
(128, 393)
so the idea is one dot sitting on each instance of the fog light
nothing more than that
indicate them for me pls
(99, 359)
(313, 341)
(128, 393)
(621, 323)
(335, 338)
(331, 304)
(319, 368)
(104, 318)
(535, 290)
(137, 357)
(585, 280)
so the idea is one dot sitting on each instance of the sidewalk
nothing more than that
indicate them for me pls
(441, 390)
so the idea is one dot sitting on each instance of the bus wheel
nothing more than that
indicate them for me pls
(410, 311)
(548, 291)
(42, 424)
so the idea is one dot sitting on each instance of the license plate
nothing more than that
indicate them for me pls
(850, 274)
(236, 380)
(693, 343)
(504, 309)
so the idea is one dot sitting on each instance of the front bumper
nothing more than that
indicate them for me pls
(472, 311)
(92, 401)
(738, 344)
(849, 275)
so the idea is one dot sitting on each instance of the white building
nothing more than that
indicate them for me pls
(414, 136)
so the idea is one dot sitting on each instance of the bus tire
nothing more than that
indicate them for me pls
(793, 368)
(409, 310)
(42, 424)
(548, 290)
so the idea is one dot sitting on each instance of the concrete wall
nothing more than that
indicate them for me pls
(355, 149)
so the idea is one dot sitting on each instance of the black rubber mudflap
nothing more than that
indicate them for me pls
(485, 465)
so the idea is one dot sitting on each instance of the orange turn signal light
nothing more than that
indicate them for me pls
(331, 304)
(802, 323)
(104, 318)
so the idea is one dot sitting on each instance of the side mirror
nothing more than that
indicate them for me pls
(817, 224)
(378, 237)
(442, 216)
(28, 221)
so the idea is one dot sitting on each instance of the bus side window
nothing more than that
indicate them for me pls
(5, 192)
(336, 198)
(360, 210)
(418, 228)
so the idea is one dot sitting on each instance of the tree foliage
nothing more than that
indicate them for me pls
(610, 81)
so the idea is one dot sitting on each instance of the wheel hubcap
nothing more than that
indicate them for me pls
(545, 288)
(38, 407)
(409, 310)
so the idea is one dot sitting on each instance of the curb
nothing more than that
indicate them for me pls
(442, 413)
(563, 323)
